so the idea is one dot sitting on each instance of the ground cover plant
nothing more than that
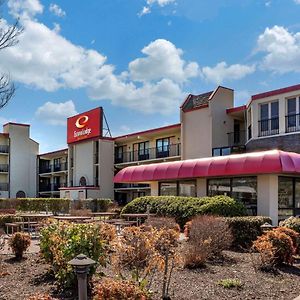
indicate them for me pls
(60, 242)
(184, 209)
(19, 243)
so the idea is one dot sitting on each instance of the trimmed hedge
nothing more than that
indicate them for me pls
(8, 219)
(184, 209)
(95, 205)
(245, 230)
(54, 205)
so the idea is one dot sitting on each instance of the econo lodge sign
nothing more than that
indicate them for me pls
(85, 126)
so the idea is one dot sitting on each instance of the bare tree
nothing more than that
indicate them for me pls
(8, 38)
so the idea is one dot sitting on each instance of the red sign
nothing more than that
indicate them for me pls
(85, 126)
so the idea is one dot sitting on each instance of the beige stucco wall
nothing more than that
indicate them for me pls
(196, 133)
(222, 123)
(83, 162)
(255, 107)
(201, 187)
(23, 164)
(154, 188)
(106, 168)
(267, 196)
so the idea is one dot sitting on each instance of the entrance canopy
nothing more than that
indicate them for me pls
(265, 162)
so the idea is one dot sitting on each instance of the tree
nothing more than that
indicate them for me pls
(8, 38)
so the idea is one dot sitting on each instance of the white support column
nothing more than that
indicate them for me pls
(154, 188)
(267, 196)
(201, 187)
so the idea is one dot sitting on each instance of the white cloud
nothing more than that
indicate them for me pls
(146, 10)
(297, 1)
(25, 8)
(222, 72)
(56, 113)
(160, 2)
(56, 27)
(282, 49)
(163, 60)
(56, 10)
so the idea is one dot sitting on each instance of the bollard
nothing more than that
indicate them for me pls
(81, 263)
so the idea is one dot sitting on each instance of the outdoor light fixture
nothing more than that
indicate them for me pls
(81, 264)
(266, 227)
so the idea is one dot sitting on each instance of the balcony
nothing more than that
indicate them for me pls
(53, 168)
(3, 168)
(148, 154)
(237, 138)
(4, 149)
(53, 187)
(3, 186)
(268, 127)
(292, 123)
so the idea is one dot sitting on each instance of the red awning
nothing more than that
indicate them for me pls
(266, 162)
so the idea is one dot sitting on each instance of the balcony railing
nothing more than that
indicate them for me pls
(237, 138)
(268, 127)
(292, 123)
(53, 168)
(3, 168)
(150, 153)
(4, 148)
(3, 186)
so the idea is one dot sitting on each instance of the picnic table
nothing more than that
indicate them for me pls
(103, 215)
(137, 217)
(32, 220)
(72, 218)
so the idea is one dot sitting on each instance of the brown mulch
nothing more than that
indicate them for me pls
(29, 276)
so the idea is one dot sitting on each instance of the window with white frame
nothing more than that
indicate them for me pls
(293, 112)
(269, 118)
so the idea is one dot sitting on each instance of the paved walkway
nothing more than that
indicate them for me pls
(34, 247)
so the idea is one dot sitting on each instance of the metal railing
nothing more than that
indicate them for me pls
(4, 149)
(3, 186)
(292, 123)
(3, 168)
(51, 187)
(150, 153)
(53, 168)
(268, 127)
(237, 138)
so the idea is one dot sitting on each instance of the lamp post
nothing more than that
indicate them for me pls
(266, 227)
(81, 263)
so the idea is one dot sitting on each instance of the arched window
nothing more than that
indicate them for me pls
(82, 181)
(20, 194)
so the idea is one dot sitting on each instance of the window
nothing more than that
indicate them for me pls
(82, 181)
(20, 194)
(293, 111)
(242, 189)
(168, 189)
(288, 197)
(143, 150)
(269, 118)
(120, 154)
(221, 151)
(56, 162)
(186, 188)
(162, 147)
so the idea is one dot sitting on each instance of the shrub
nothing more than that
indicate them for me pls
(54, 205)
(60, 242)
(40, 297)
(8, 219)
(292, 223)
(275, 247)
(230, 283)
(245, 230)
(93, 205)
(111, 289)
(184, 209)
(292, 234)
(162, 223)
(19, 243)
(208, 237)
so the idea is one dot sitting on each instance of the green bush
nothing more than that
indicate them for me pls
(245, 230)
(184, 209)
(95, 205)
(292, 223)
(54, 205)
(8, 219)
(60, 242)
(19, 243)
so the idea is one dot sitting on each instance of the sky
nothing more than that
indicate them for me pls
(139, 59)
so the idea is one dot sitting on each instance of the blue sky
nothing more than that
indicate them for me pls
(140, 58)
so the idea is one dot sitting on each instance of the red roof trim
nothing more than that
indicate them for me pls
(53, 152)
(186, 100)
(17, 124)
(276, 92)
(236, 109)
(265, 162)
(149, 131)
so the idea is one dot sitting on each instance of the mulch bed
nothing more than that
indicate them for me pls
(29, 276)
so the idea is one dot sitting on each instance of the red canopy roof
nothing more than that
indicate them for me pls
(266, 162)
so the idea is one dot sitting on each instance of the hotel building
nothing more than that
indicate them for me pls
(250, 152)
